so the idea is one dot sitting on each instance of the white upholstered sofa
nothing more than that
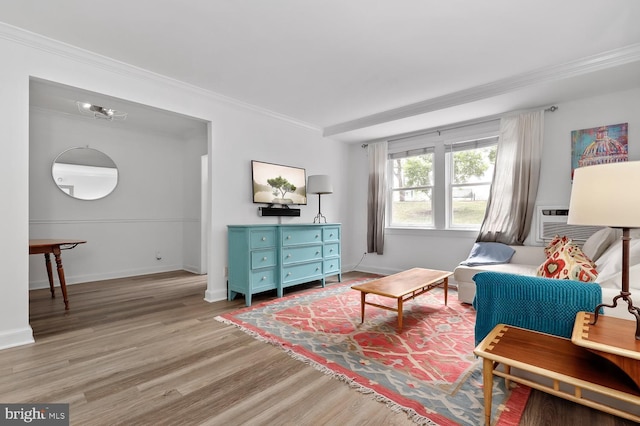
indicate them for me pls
(604, 248)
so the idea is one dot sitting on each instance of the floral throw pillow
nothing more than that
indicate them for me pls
(568, 262)
(555, 244)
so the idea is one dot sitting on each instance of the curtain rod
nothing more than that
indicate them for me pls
(552, 108)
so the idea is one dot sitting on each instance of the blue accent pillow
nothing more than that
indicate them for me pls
(489, 254)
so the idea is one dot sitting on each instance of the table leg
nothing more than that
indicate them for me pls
(487, 380)
(47, 262)
(63, 283)
(362, 296)
(400, 309)
(446, 289)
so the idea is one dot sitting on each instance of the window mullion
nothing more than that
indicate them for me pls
(439, 187)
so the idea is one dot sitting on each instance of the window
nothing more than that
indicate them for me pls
(472, 165)
(441, 182)
(412, 188)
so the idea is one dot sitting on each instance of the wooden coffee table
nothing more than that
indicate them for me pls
(403, 286)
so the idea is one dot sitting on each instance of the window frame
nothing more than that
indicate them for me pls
(441, 192)
(391, 158)
(450, 149)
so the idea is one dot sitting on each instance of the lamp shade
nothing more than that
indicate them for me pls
(606, 195)
(319, 184)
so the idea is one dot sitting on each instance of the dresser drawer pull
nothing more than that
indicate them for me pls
(317, 269)
(289, 273)
(331, 235)
(264, 258)
(330, 250)
(288, 256)
(317, 236)
(264, 238)
(264, 278)
(317, 252)
(288, 237)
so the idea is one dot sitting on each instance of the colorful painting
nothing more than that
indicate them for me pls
(600, 145)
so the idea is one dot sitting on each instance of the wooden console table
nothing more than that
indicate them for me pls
(47, 247)
(570, 368)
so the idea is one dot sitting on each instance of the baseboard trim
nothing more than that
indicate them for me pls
(16, 337)
(215, 295)
(78, 279)
(193, 269)
(380, 271)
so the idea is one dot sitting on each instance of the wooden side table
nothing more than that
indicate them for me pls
(560, 362)
(612, 338)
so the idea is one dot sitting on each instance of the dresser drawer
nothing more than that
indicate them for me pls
(331, 234)
(263, 258)
(302, 273)
(262, 238)
(332, 250)
(301, 254)
(331, 266)
(263, 280)
(293, 236)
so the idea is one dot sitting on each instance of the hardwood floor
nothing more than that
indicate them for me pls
(148, 351)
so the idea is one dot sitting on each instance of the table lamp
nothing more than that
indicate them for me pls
(605, 195)
(319, 184)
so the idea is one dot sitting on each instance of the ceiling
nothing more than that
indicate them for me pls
(361, 70)
(62, 99)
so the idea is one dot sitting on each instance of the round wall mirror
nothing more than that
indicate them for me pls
(85, 173)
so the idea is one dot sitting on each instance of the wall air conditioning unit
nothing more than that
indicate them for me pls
(552, 221)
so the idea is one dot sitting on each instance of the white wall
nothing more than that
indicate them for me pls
(191, 203)
(614, 108)
(238, 134)
(152, 209)
(275, 142)
(444, 250)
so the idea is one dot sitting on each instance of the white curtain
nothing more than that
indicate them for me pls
(510, 209)
(377, 196)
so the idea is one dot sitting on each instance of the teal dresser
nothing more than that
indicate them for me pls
(267, 257)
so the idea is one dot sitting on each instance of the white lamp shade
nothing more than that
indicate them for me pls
(606, 195)
(319, 184)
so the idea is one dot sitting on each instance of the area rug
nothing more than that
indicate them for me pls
(428, 370)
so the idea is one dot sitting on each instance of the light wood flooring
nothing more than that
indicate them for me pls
(148, 351)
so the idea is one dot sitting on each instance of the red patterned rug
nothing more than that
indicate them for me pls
(428, 370)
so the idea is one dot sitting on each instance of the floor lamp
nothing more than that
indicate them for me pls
(319, 184)
(605, 195)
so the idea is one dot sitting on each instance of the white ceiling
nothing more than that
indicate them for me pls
(62, 99)
(362, 69)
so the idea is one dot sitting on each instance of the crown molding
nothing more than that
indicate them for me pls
(609, 59)
(65, 50)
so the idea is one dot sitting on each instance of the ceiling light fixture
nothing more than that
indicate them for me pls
(100, 112)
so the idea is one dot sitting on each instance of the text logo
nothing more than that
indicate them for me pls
(34, 414)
